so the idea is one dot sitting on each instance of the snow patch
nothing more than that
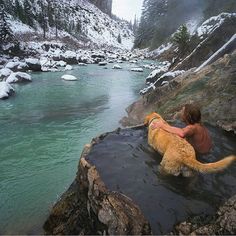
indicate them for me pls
(69, 77)
(5, 90)
(18, 77)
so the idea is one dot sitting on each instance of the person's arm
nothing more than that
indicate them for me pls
(187, 131)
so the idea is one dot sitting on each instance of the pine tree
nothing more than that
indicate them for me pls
(28, 15)
(7, 39)
(19, 11)
(181, 39)
(6, 34)
(119, 38)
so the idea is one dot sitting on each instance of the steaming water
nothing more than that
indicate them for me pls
(127, 164)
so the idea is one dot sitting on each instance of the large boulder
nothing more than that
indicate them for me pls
(18, 77)
(4, 73)
(69, 57)
(16, 66)
(33, 64)
(89, 207)
(211, 35)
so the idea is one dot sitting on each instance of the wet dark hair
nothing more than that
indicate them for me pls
(192, 114)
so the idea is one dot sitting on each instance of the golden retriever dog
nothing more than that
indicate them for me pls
(179, 156)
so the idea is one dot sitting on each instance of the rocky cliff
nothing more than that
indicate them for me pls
(104, 5)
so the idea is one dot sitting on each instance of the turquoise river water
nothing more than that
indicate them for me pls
(43, 130)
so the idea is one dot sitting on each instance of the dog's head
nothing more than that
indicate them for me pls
(150, 117)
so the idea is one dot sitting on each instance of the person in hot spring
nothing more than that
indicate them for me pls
(194, 132)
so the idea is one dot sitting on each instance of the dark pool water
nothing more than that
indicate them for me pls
(127, 164)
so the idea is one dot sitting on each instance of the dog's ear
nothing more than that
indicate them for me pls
(146, 120)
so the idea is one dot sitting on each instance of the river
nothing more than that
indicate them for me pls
(43, 130)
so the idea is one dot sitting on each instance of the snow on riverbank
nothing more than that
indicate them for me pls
(5, 90)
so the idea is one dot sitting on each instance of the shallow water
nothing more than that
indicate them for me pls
(127, 164)
(43, 130)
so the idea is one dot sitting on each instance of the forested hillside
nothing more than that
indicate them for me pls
(74, 22)
(161, 18)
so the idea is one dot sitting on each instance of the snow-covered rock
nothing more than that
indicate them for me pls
(16, 77)
(161, 81)
(133, 61)
(69, 77)
(82, 64)
(5, 72)
(61, 63)
(161, 69)
(33, 64)
(172, 74)
(116, 67)
(138, 69)
(68, 67)
(102, 63)
(157, 52)
(16, 66)
(213, 23)
(151, 67)
(5, 90)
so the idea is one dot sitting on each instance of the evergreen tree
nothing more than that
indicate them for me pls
(181, 39)
(6, 35)
(119, 38)
(19, 11)
(28, 15)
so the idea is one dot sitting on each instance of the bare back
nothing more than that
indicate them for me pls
(198, 136)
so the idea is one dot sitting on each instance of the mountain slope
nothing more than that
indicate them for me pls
(77, 20)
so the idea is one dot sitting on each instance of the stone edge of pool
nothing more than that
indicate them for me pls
(89, 207)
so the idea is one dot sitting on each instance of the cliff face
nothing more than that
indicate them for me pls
(104, 5)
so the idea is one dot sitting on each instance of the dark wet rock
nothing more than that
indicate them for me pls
(213, 88)
(222, 223)
(89, 207)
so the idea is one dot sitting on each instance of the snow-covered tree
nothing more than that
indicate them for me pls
(181, 39)
(7, 39)
(6, 35)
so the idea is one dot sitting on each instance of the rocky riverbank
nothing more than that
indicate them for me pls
(213, 88)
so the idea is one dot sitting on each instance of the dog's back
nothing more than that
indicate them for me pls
(178, 155)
